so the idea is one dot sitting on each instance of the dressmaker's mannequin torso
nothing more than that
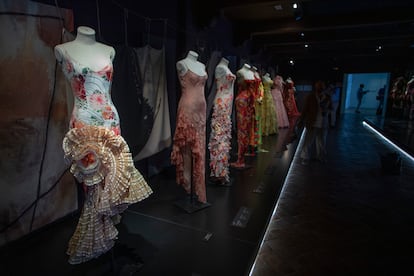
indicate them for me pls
(87, 64)
(190, 63)
(245, 72)
(86, 50)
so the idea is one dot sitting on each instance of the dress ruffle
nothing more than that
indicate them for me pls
(189, 137)
(219, 144)
(101, 160)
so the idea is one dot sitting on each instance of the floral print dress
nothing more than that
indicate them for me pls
(189, 144)
(220, 136)
(100, 160)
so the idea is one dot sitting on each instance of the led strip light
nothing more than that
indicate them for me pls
(285, 183)
(365, 124)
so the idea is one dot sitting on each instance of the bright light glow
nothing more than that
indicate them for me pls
(306, 45)
(291, 62)
(293, 164)
(302, 34)
(295, 5)
(365, 124)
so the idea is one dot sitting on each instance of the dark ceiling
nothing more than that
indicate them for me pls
(353, 34)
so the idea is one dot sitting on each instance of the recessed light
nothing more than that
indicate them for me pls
(295, 5)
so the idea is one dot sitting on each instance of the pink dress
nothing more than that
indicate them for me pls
(281, 115)
(188, 152)
(219, 144)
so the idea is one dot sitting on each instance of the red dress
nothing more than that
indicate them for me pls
(189, 146)
(245, 112)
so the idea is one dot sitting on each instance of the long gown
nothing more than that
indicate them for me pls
(244, 103)
(219, 144)
(189, 144)
(101, 161)
(281, 115)
(269, 122)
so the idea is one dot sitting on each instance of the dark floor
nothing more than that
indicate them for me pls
(344, 217)
(348, 216)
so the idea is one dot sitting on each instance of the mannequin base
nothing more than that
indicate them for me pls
(191, 204)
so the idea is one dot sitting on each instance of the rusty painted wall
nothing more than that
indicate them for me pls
(27, 97)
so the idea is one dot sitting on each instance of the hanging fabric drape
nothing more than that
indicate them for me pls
(154, 91)
(136, 115)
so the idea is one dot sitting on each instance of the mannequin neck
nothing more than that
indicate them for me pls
(224, 62)
(193, 56)
(85, 35)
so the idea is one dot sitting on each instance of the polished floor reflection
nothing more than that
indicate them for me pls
(348, 216)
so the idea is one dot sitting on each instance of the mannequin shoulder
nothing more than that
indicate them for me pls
(59, 52)
(221, 71)
(182, 67)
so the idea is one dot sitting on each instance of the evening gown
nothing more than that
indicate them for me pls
(100, 160)
(244, 103)
(281, 115)
(220, 136)
(189, 144)
(269, 122)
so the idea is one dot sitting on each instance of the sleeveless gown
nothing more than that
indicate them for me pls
(100, 159)
(189, 144)
(220, 136)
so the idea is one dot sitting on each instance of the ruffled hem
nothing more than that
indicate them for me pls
(102, 161)
(219, 144)
(189, 138)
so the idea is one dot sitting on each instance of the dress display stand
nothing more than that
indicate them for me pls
(190, 204)
(188, 152)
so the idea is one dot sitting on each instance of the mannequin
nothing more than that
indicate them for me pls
(277, 95)
(100, 157)
(244, 112)
(256, 131)
(220, 137)
(188, 152)
(290, 101)
(269, 122)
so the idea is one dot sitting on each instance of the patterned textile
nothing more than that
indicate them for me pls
(268, 119)
(219, 144)
(101, 160)
(189, 144)
(244, 117)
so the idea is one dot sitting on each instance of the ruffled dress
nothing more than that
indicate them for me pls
(189, 143)
(220, 136)
(100, 159)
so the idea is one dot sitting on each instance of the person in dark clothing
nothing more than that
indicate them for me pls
(360, 94)
(380, 99)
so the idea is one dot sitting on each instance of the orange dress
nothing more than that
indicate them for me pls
(189, 146)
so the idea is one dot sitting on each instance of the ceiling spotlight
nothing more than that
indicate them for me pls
(297, 11)
(291, 62)
(302, 34)
(306, 45)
